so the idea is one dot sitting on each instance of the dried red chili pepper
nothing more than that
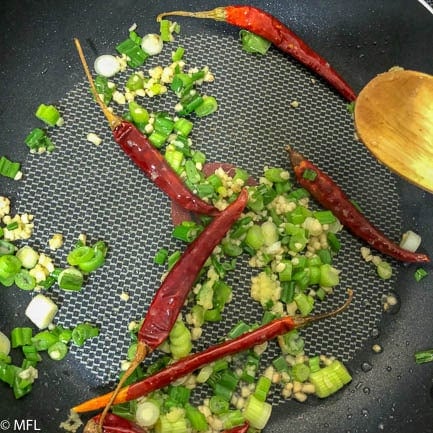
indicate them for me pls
(171, 295)
(265, 25)
(176, 284)
(147, 157)
(193, 362)
(333, 198)
(113, 424)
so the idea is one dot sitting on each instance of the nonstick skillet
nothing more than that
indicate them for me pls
(81, 189)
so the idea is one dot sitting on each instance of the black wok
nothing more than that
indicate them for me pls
(389, 392)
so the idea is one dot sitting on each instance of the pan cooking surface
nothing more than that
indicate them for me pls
(97, 190)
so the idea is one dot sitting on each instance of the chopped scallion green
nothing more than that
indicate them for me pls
(330, 379)
(178, 54)
(384, 270)
(324, 216)
(70, 279)
(57, 351)
(208, 106)
(164, 29)
(262, 388)
(161, 256)
(196, 418)
(10, 265)
(104, 89)
(135, 82)
(257, 412)
(232, 418)
(37, 140)
(24, 280)
(21, 336)
(49, 114)
(135, 54)
(252, 43)
(138, 113)
(183, 126)
(309, 174)
(423, 356)
(305, 303)
(300, 372)
(6, 247)
(175, 158)
(239, 329)
(44, 339)
(420, 273)
(83, 332)
(9, 169)
(218, 405)
(173, 258)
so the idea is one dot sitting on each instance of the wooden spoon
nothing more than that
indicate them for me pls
(394, 119)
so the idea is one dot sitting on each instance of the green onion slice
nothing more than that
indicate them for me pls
(420, 273)
(9, 169)
(80, 255)
(252, 43)
(94, 263)
(48, 114)
(309, 174)
(9, 266)
(58, 351)
(70, 279)
(423, 356)
(24, 280)
(208, 106)
(6, 247)
(83, 332)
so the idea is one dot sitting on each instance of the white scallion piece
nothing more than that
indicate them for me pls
(147, 413)
(5, 344)
(410, 241)
(152, 44)
(106, 65)
(27, 256)
(41, 311)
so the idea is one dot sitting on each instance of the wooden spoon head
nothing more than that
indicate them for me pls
(394, 119)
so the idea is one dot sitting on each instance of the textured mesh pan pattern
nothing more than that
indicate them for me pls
(82, 188)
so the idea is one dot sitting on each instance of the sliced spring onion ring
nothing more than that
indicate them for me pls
(9, 266)
(147, 413)
(106, 65)
(6, 247)
(27, 256)
(5, 344)
(94, 263)
(58, 351)
(410, 241)
(80, 255)
(70, 279)
(152, 44)
(252, 43)
(41, 311)
(24, 280)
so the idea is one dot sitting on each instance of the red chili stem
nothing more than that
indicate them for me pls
(146, 156)
(195, 361)
(333, 198)
(267, 26)
(112, 424)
